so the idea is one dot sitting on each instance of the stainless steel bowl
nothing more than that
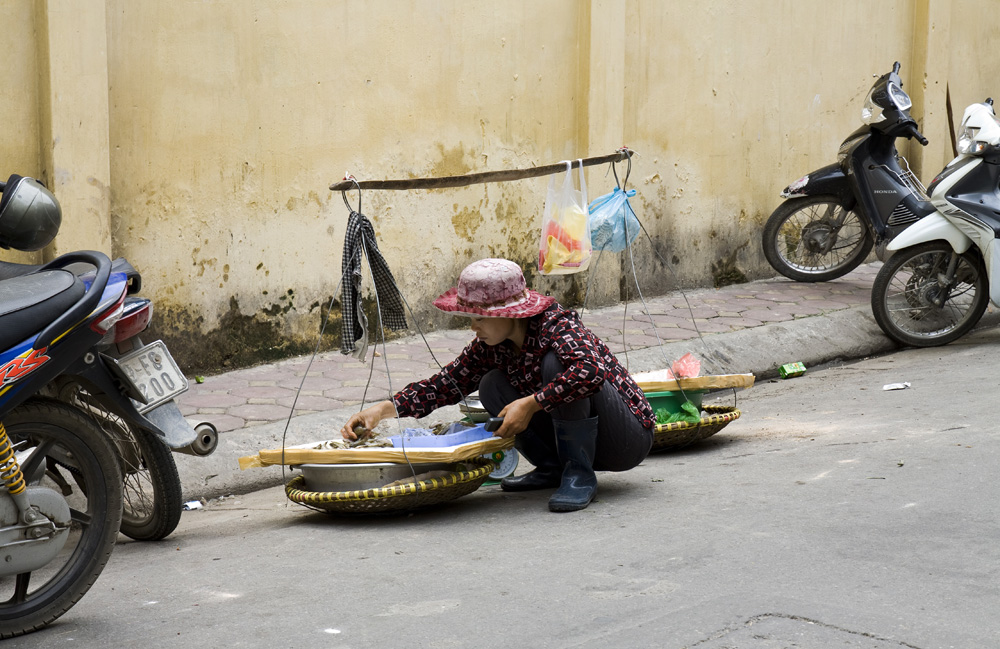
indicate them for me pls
(358, 477)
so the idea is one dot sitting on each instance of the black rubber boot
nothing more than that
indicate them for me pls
(576, 442)
(547, 473)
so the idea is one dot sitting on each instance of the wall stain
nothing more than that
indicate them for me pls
(201, 264)
(725, 271)
(238, 340)
(466, 222)
(452, 162)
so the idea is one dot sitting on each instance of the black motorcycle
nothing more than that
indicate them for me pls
(835, 215)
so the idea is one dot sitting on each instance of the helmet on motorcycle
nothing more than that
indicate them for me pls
(29, 215)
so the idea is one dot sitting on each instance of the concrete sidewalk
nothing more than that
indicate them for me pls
(753, 327)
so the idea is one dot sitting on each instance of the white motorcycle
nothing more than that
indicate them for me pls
(935, 287)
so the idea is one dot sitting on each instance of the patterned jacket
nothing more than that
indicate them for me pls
(588, 362)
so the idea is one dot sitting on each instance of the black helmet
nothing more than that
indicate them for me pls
(29, 215)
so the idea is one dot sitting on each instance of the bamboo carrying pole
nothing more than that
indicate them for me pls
(478, 178)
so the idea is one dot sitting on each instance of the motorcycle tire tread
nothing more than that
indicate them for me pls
(882, 281)
(166, 483)
(102, 466)
(769, 242)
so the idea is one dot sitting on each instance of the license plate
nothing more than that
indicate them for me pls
(154, 373)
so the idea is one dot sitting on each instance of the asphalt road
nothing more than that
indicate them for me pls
(832, 514)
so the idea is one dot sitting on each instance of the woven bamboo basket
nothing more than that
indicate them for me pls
(671, 437)
(409, 496)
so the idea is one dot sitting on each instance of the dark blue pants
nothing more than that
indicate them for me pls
(622, 441)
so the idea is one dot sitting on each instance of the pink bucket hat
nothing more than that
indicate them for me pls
(493, 288)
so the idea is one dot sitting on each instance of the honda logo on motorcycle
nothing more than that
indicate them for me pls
(19, 367)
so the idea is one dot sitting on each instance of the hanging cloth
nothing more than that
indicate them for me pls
(361, 235)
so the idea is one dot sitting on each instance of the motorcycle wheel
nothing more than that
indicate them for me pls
(813, 239)
(905, 287)
(60, 448)
(151, 485)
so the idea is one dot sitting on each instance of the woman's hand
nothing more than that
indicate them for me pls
(517, 415)
(369, 418)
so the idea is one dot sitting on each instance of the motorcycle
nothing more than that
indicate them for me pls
(63, 471)
(148, 379)
(936, 285)
(152, 487)
(834, 216)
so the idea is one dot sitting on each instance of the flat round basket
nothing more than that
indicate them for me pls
(401, 497)
(670, 437)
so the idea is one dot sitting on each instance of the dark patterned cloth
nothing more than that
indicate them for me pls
(588, 361)
(361, 236)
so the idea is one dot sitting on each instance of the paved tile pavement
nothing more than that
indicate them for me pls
(266, 394)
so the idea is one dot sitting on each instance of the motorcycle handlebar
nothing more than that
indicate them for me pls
(917, 135)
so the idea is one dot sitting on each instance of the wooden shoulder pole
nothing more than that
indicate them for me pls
(478, 178)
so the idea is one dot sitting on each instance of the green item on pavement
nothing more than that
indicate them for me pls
(788, 370)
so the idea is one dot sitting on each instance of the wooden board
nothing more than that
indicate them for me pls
(704, 383)
(295, 455)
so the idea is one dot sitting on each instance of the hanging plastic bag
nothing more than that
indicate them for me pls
(565, 243)
(613, 224)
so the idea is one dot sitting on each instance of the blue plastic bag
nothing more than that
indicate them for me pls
(613, 224)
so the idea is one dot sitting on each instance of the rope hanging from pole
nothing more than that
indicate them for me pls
(478, 178)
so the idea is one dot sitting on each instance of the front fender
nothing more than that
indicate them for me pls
(828, 180)
(932, 227)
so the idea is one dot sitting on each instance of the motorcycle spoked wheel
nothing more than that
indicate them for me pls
(905, 287)
(58, 437)
(151, 485)
(813, 239)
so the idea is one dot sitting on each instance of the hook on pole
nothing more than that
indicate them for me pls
(343, 193)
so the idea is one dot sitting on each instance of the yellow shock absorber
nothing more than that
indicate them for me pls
(10, 471)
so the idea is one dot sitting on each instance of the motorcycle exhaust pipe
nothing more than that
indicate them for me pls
(204, 443)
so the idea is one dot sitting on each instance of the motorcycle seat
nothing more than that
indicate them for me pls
(29, 303)
(10, 269)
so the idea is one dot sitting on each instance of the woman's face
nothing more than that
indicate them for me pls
(493, 331)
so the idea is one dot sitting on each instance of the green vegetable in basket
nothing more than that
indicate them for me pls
(689, 414)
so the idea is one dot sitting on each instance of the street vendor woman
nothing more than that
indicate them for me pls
(572, 407)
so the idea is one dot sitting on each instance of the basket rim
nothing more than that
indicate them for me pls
(485, 466)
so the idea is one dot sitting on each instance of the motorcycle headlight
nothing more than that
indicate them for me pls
(979, 130)
(871, 113)
(967, 142)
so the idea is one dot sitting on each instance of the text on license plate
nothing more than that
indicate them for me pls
(155, 374)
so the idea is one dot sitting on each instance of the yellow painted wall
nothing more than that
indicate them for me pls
(222, 163)
(19, 113)
(19, 101)
(226, 121)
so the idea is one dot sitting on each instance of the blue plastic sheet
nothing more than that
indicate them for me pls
(458, 433)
